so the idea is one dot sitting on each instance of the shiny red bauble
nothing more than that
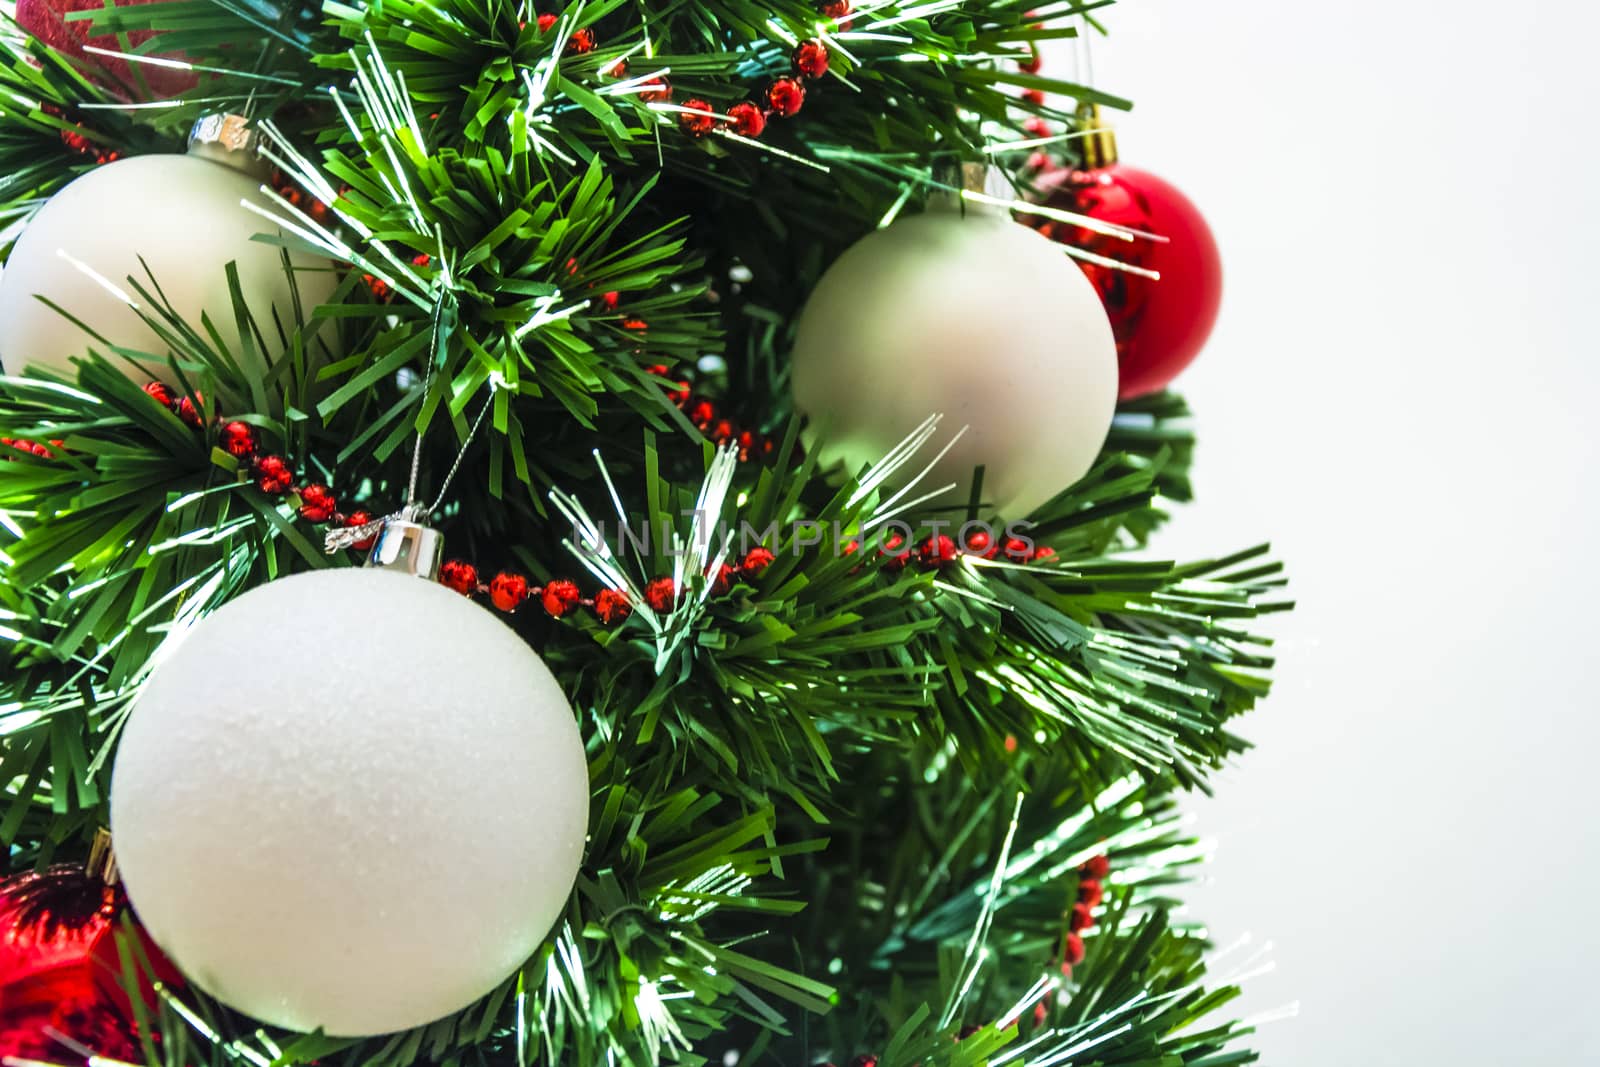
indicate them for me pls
(47, 20)
(61, 968)
(1159, 324)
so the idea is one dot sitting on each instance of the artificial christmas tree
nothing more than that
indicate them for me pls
(876, 772)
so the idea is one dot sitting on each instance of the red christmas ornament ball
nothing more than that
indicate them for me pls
(508, 590)
(1160, 324)
(560, 596)
(61, 969)
(47, 20)
(317, 503)
(238, 439)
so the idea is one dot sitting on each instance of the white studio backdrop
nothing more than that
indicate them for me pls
(1400, 394)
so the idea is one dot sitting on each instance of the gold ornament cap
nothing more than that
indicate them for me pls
(230, 140)
(1098, 139)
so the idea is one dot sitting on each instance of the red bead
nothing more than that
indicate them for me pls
(756, 561)
(723, 581)
(700, 119)
(508, 591)
(701, 412)
(611, 300)
(354, 520)
(1041, 1010)
(811, 59)
(189, 412)
(560, 597)
(661, 595)
(1032, 64)
(1034, 96)
(748, 119)
(1096, 867)
(1073, 950)
(581, 42)
(546, 21)
(836, 9)
(159, 392)
(1160, 325)
(864, 1061)
(1018, 550)
(655, 91)
(1037, 126)
(980, 543)
(1091, 892)
(937, 551)
(1081, 917)
(238, 439)
(894, 548)
(786, 96)
(317, 503)
(722, 431)
(611, 606)
(459, 575)
(273, 475)
(1043, 552)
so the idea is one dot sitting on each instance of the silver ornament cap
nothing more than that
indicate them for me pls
(230, 140)
(408, 547)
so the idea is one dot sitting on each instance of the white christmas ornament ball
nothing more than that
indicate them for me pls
(185, 216)
(974, 317)
(350, 799)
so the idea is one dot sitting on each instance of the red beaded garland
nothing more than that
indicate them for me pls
(811, 59)
(360, 518)
(560, 596)
(938, 551)
(273, 475)
(459, 575)
(661, 595)
(748, 119)
(187, 410)
(699, 120)
(238, 439)
(611, 605)
(317, 503)
(785, 96)
(508, 590)
(755, 561)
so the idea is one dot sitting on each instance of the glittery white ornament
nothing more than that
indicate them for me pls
(974, 317)
(350, 799)
(184, 215)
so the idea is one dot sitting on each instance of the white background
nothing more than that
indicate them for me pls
(1400, 394)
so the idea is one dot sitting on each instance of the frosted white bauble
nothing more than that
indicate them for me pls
(974, 317)
(350, 799)
(184, 215)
